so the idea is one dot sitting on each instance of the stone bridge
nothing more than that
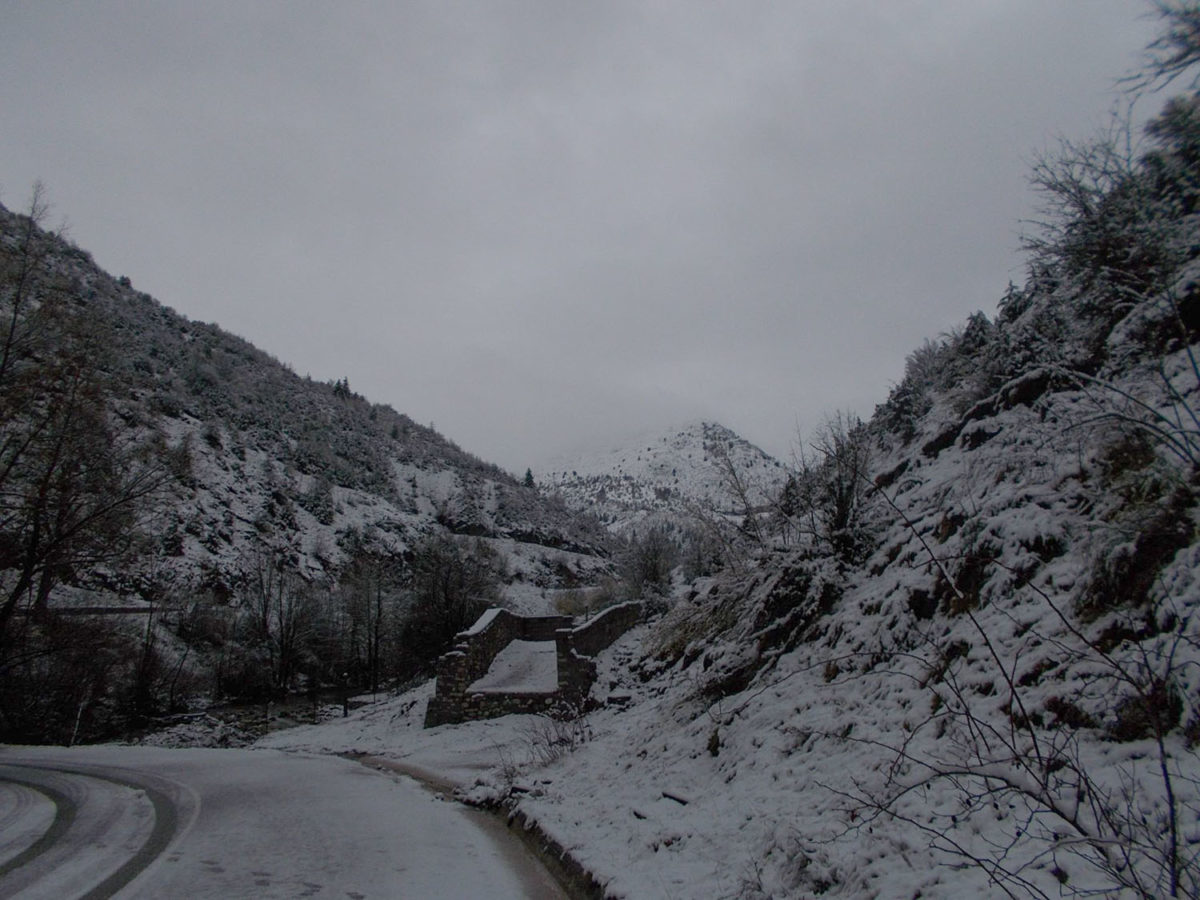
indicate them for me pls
(458, 699)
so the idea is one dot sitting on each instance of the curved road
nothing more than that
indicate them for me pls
(147, 822)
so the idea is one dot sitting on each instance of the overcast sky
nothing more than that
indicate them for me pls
(546, 223)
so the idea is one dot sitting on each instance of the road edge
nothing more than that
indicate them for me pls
(564, 867)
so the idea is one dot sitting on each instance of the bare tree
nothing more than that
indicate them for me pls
(72, 490)
(451, 583)
(832, 486)
(369, 591)
(739, 489)
(647, 563)
(1175, 50)
(281, 608)
(713, 543)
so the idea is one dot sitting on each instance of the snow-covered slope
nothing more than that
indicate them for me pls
(666, 474)
(986, 680)
(266, 460)
(977, 695)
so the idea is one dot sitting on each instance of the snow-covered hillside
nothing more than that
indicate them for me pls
(264, 458)
(982, 706)
(668, 474)
(269, 532)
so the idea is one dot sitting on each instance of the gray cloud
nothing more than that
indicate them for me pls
(536, 223)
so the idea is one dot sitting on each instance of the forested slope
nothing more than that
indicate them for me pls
(293, 530)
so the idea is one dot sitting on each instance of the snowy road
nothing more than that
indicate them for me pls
(148, 822)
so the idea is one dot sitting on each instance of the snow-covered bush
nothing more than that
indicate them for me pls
(833, 487)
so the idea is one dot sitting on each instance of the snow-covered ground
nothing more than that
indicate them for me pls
(635, 798)
(393, 729)
(645, 812)
(667, 791)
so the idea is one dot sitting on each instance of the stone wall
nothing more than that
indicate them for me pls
(604, 628)
(475, 648)
(575, 647)
(490, 705)
(542, 628)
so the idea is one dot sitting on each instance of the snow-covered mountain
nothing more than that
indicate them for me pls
(266, 459)
(971, 668)
(669, 474)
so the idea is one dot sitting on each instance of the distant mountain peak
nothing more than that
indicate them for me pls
(665, 472)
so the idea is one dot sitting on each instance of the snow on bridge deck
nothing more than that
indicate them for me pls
(523, 667)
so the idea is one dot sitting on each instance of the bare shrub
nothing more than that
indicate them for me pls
(549, 737)
(833, 486)
(1123, 822)
(586, 601)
